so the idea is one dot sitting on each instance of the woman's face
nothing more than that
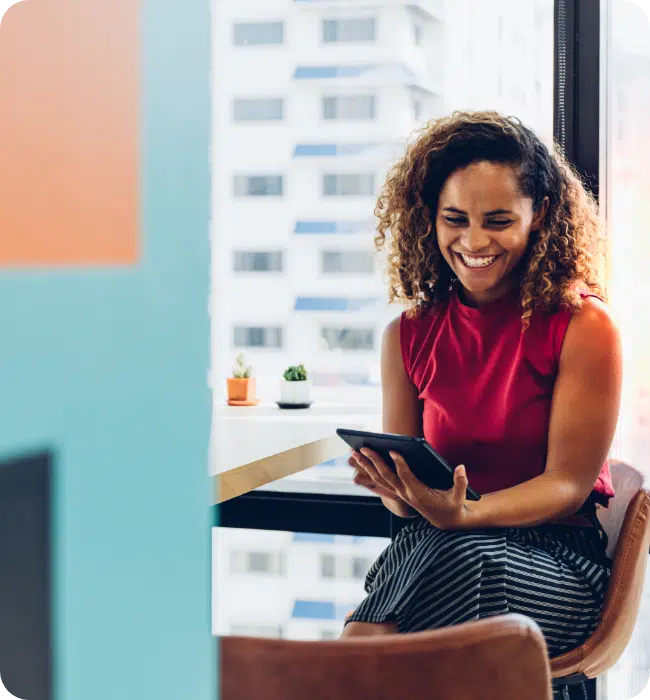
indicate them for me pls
(484, 225)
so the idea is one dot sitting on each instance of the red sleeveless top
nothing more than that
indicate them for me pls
(486, 388)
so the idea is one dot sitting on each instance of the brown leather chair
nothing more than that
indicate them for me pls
(627, 524)
(493, 659)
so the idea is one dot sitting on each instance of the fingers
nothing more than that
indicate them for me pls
(460, 484)
(403, 470)
(379, 470)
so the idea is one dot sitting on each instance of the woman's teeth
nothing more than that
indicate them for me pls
(477, 262)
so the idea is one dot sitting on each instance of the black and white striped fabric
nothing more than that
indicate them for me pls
(429, 578)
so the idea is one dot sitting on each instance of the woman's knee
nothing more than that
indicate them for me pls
(368, 629)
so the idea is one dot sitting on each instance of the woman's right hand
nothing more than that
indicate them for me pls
(389, 497)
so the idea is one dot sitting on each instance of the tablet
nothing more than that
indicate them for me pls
(427, 465)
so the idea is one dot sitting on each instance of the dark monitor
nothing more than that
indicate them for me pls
(25, 557)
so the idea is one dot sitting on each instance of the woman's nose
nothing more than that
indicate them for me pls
(475, 239)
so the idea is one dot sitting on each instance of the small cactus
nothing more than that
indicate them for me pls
(295, 373)
(241, 370)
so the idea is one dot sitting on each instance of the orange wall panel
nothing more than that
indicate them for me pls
(69, 96)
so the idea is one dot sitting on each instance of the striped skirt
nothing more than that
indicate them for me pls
(429, 578)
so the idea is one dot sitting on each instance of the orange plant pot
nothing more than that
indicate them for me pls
(241, 389)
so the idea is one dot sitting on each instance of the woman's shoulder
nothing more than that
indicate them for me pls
(593, 326)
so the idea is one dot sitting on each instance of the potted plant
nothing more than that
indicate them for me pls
(241, 386)
(296, 387)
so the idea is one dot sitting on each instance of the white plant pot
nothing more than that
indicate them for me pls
(295, 392)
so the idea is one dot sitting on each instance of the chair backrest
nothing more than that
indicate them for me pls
(627, 523)
(491, 659)
(627, 483)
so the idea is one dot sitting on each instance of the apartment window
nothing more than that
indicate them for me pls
(349, 185)
(348, 262)
(258, 109)
(258, 261)
(349, 338)
(349, 107)
(418, 33)
(328, 566)
(258, 33)
(257, 337)
(417, 110)
(257, 563)
(344, 30)
(258, 185)
(253, 630)
(344, 567)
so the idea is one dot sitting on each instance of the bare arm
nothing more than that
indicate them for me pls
(402, 412)
(583, 419)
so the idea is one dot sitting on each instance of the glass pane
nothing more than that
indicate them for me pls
(258, 33)
(350, 107)
(362, 29)
(258, 109)
(628, 210)
(307, 185)
(321, 580)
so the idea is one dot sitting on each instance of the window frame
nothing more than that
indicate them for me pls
(258, 22)
(577, 111)
(348, 42)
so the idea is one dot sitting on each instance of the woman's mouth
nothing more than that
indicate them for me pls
(475, 262)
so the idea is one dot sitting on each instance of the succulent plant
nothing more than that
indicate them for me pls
(295, 373)
(241, 370)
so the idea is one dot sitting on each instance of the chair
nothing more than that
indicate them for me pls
(492, 659)
(627, 524)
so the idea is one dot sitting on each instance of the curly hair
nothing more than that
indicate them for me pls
(562, 258)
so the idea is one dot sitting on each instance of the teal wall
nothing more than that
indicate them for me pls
(109, 367)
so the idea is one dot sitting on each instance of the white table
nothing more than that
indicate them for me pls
(254, 447)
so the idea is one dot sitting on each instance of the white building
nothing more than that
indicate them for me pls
(313, 99)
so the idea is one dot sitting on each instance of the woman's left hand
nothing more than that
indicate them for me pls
(446, 510)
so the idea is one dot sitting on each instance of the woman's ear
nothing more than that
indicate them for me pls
(540, 215)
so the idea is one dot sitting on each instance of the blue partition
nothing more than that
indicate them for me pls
(108, 368)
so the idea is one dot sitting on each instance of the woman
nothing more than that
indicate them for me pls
(509, 364)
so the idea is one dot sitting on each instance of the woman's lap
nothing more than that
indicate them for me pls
(428, 578)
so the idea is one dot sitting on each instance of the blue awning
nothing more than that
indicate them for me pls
(332, 303)
(330, 227)
(320, 610)
(316, 72)
(313, 537)
(332, 149)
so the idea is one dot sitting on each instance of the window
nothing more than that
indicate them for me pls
(242, 562)
(352, 107)
(417, 109)
(356, 105)
(255, 630)
(258, 33)
(349, 185)
(342, 566)
(253, 261)
(357, 29)
(258, 185)
(257, 337)
(348, 262)
(258, 109)
(349, 338)
(417, 33)
(328, 566)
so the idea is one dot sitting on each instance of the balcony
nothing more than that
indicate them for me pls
(366, 74)
(317, 228)
(334, 304)
(431, 8)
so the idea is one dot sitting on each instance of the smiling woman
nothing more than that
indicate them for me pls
(508, 363)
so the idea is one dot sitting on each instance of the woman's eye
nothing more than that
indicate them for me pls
(500, 222)
(455, 220)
